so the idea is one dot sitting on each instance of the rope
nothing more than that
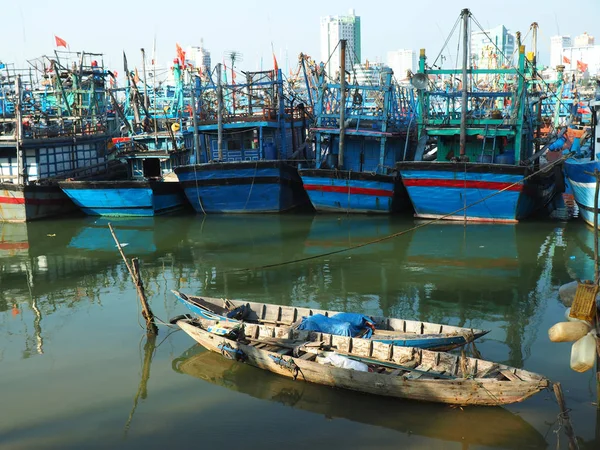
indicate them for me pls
(400, 233)
(197, 189)
(251, 186)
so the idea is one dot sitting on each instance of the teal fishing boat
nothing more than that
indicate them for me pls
(476, 159)
(55, 122)
(156, 141)
(251, 135)
(361, 130)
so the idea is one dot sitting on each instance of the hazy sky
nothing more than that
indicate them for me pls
(249, 27)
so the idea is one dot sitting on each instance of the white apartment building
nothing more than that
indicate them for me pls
(199, 57)
(401, 61)
(334, 28)
(557, 45)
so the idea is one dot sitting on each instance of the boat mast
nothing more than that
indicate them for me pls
(195, 118)
(146, 99)
(463, 101)
(342, 100)
(534, 28)
(219, 113)
(21, 167)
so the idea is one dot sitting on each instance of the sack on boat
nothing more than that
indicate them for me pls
(239, 313)
(341, 361)
(339, 327)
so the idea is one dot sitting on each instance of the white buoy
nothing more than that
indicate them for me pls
(583, 353)
(568, 331)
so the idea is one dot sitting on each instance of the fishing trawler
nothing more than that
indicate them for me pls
(476, 159)
(55, 122)
(156, 141)
(358, 139)
(250, 145)
(583, 168)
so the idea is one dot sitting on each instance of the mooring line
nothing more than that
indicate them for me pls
(400, 233)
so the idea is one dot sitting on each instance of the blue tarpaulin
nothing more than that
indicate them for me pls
(341, 324)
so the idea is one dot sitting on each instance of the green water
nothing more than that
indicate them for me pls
(77, 372)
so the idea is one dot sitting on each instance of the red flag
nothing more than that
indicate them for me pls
(180, 55)
(275, 66)
(581, 66)
(60, 42)
(566, 60)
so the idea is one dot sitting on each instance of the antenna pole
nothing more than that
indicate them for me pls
(219, 113)
(342, 100)
(538, 131)
(146, 99)
(195, 117)
(463, 101)
(21, 164)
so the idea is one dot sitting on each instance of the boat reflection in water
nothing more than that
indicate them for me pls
(492, 427)
(491, 275)
(33, 277)
(579, 250)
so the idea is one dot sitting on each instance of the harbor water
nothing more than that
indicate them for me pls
(78, 371)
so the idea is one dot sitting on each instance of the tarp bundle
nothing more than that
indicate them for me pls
(341, 324)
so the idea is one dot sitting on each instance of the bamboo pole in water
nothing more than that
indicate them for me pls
(564, 417)
(151, 327)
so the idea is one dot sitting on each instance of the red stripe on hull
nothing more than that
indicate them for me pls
(468, 184)
(31, 201)
(351, 190)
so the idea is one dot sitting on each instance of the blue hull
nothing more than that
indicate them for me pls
(242, 187)
(583, 185)
(125, 198)
(496, 193)
(354, 192)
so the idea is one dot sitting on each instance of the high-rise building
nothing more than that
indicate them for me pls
(584, 40)
(199, 56)
(401, 61)
(334, 28)
(557, 46)
(492, 48)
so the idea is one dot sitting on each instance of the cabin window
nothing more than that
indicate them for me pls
(151, 167)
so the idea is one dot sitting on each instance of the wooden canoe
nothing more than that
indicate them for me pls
(394, 371)
(473, 426)
(406, 333)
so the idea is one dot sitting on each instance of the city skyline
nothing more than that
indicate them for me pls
(257, 32)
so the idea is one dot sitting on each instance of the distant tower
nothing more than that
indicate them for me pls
(200, 57)
(402, 61)
(334, 28)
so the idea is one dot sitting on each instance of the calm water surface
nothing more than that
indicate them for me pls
(76, 369)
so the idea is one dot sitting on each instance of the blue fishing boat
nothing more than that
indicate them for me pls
(476, 158)
(157, 141)
(251, 142)
(406, 333)
(583, 168)
(358, 139)
(55, 123)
